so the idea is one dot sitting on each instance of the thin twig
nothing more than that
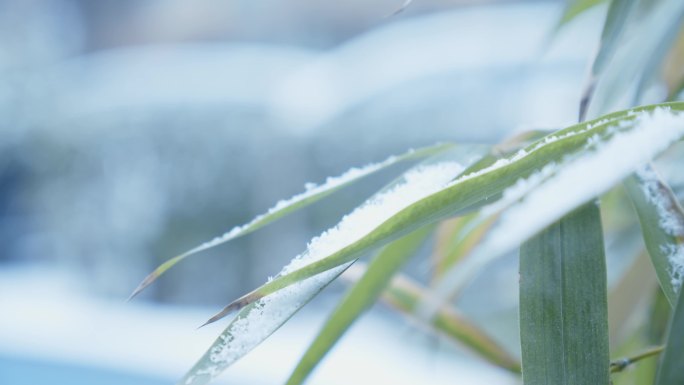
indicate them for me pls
(621, 364)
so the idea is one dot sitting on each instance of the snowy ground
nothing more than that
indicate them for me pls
(51, 333)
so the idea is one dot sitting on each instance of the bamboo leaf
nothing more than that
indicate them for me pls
(563, 303)
(662, 224)
(359, 298)
(266, 308)
(405, 295)
(458, 236)
(283, 208)
(670, 369)
(258, 320)
(555, 190)
(241, 335)
(472, 191)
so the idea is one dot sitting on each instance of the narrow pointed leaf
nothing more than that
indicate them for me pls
(670, 370)
(297, 202)
(272, 304)
(245, 332)
(259, 319)
(545, 197)
(359, 298)
(472, 191)
(563, 303)
(662, 225)
(458, 236)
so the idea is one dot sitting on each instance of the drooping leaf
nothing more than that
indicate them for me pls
(281, 209)
(359, 298)
(670, 369)
(405, 295)
(563, 304)
(472, 191)
(662, 225)
(458, 236)
(259, 319)
(535, 202)
(246, 331)
(276, 301)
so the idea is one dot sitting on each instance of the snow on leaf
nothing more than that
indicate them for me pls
(574, 182)
(311, 194)
(662, 221)
(262, 317)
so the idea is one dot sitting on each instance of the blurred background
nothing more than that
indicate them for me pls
(131, 131)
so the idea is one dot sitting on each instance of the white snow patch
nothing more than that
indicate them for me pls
(518, 190)
(268, 313)
(522, 153)
(652, 190)
(311, 189)
(576, 181)
(675, 255)
(669, 221)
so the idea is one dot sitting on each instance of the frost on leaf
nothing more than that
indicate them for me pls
(260, 319)
(572, 183)
(670, 220)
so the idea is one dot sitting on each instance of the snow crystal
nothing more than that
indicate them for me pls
(675, 255)
(268, 313)
(518, 190)
(669, 221)
(310, 189)
(575, 181)
(522, 153)
(418, 183)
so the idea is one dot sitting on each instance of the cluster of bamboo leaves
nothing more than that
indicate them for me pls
(574, 327)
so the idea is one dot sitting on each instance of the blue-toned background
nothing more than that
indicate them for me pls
(131, 131)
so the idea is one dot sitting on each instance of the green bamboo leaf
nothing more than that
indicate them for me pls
(662, 225)
(232, 345)
(283, 208)
(469, 192)
(458, 236)
(557, 189)
(405, 295)
(266, 308)
(359, 298)
(260, 319)
(670, 369)
(563, 302)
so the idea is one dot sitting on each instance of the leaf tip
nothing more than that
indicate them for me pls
(143, 285)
